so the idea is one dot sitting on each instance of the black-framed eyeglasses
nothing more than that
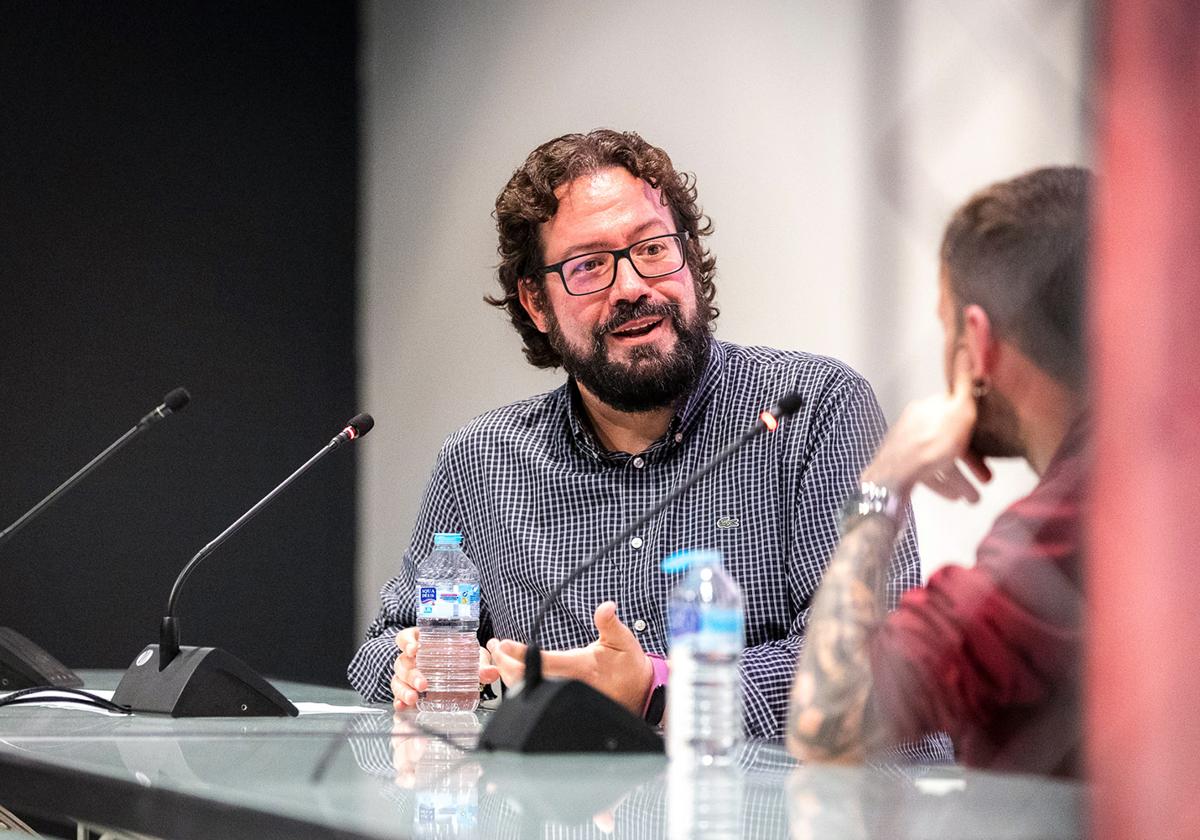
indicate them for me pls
(587, 274)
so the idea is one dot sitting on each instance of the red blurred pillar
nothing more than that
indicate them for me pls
(1144, 680)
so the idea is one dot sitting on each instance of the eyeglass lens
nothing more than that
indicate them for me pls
(651, 258)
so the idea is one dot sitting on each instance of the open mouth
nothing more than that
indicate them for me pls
(637, 328)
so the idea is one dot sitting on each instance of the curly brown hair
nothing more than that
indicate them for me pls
(528, 200)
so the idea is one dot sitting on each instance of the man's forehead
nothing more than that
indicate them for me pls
(601, 188)
(600, 184)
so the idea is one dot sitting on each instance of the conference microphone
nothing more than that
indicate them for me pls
(205, 681)
(22, 663)
(550, 715)
(172, 402)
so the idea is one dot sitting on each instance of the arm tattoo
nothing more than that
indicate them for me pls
(830, 718)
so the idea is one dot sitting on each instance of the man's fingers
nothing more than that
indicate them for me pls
(950, 482)
(407, 636)
(976, 464)
(961, 382)
(613, 633)
(510, 663)
(488, 673)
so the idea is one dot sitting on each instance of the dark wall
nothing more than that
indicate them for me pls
(177, 207)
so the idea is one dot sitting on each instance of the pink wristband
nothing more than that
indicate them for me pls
(662, 672)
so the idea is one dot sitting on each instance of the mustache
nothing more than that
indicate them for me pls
(626, 311)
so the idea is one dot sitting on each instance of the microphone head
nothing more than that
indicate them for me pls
(361, 423)
(177, 399)
(789, 405)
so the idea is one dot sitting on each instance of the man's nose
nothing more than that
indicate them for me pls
(628, 285)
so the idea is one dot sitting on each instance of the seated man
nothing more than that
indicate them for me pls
(991, 654)
(604, 272)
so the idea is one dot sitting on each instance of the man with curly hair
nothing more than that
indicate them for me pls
(604, 272)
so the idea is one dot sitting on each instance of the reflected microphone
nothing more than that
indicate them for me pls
(551, 716)
(24, 664)
(206, 681)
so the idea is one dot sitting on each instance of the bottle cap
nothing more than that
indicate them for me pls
(447, 539)
(688, 557)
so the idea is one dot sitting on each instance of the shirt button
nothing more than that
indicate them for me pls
(640, 625)
(636, 542)
(679, 437)
(638, 462)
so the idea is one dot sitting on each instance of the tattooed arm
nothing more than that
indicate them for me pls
(831, 716)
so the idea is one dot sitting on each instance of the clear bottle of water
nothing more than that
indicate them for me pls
(448, 618)
(704, 702)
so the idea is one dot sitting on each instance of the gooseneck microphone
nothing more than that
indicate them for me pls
(172, 402)
(550, 715)
(24, 664)
(206, 681)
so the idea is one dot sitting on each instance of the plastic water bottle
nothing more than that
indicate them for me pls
(704, 702)
(448, 618)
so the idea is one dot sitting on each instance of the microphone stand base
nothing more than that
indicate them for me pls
(199, 682)
(565, 716)
(24, 664)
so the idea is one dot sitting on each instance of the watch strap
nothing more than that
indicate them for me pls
(656, 700)
(872, 499)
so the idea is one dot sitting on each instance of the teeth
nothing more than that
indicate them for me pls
(644, 328)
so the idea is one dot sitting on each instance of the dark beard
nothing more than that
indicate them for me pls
(996, 433)
(649, 380)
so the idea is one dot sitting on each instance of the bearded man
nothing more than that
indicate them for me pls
(604, 272)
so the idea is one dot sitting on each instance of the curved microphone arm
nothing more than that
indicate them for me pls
(172, 402)
(767, 421)
(169, 630)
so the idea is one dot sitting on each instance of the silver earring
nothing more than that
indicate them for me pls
(980, 388)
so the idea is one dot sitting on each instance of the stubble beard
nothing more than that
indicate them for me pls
(997, 433)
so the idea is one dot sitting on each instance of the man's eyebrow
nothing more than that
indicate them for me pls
(639, 233)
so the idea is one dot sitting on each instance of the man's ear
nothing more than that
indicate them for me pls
(982, 348)
(534, 301)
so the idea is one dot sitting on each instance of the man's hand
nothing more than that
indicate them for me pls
(614, 664)
(407, 681)
(930, 436)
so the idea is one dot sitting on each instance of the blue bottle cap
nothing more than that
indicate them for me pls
(447, 539)
(687, 557)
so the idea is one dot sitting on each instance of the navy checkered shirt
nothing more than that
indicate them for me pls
(534, 495)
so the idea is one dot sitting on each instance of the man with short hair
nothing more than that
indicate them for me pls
(604, 272)
(989, 654)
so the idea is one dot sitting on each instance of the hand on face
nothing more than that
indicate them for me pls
(614, 664)
(407, 680)
(928, 440)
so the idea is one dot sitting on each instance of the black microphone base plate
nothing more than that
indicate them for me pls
(564, 716)
(23, 664)
(199, 682)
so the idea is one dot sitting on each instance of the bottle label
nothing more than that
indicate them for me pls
(712, 630)
(451, 600)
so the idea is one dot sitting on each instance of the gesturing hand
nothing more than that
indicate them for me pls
(929, 438)
(614, 664)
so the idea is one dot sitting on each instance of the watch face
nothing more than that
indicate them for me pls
(658, 705)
